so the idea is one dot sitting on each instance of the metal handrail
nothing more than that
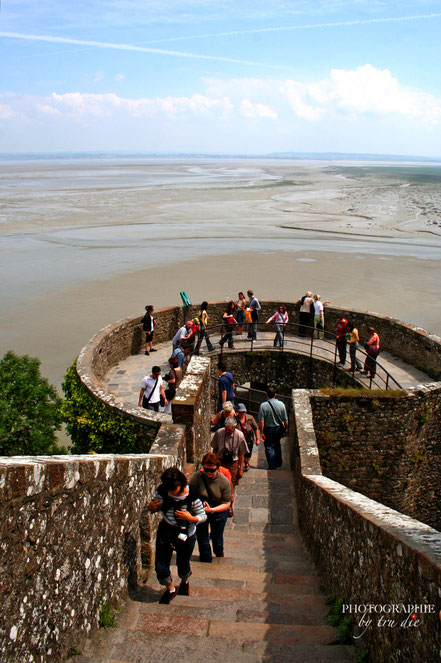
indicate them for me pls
(238, 399)
(290, 339)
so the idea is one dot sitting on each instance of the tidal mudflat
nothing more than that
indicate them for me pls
(86, 242)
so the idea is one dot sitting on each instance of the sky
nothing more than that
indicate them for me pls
(224, 76)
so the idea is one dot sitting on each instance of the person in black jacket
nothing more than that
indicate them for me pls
(148, 325)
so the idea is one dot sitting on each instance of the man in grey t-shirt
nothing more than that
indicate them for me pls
(272, 419)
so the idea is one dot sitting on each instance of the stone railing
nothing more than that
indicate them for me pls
(368, 555)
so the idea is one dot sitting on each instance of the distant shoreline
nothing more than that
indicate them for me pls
(290, 156)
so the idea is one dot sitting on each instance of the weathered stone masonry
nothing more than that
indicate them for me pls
(70, 532)
(366, 552)
(76, 531)
(74, 528)
(389, 449)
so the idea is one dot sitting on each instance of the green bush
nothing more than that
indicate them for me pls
(343, 623)
(29, 409)
(107, 616)
(94, 427)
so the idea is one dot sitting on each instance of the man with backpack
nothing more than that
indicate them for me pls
(273, 424)
(182, 511)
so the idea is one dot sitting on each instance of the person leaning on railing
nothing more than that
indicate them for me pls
(372, 347)
(280, 319)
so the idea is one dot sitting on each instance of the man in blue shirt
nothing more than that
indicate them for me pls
(273, 424)
(226, 386)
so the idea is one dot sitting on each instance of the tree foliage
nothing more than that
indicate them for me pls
(29, 408)
(94, 427)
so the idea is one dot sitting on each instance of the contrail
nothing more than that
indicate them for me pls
(139, 49)
(309, 26)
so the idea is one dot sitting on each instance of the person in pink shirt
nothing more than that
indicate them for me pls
(372, 347)
(280, 319)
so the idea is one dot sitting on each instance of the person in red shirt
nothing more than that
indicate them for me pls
(341, 330)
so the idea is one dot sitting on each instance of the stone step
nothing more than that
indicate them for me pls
(261, 603)
(148, 647)
(225, 569)
(301, 609)
(262, 565)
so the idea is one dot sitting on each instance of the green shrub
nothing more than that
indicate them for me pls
(351, 392)
(107, 616)
(95, 427)
(343, 623)
(29, 409)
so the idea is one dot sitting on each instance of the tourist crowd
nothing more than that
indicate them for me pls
(197, 511)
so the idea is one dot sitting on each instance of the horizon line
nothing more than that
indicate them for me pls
(267, 155)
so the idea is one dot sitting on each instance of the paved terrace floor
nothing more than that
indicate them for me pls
(124, 379)
(260, 603)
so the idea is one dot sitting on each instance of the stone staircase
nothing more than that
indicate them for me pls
(260, 603)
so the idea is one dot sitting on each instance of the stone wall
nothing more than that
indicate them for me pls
(191, 407)
(368, 554)
(283, 371)
(124, 338)
(70, 541)
(412, 344)
(76, 530)
(387, 448)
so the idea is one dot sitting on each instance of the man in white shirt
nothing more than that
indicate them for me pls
(151, 391)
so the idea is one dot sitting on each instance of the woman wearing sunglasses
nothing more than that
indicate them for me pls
(215, 492)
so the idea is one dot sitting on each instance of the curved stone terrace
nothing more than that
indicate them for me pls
(124, 379)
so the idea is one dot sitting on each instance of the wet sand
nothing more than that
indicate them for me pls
(56, 326)
(85, 244)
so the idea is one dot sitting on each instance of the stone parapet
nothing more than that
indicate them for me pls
(125, 337)
(368, 554)
(384, 447)
(71, 541)
(192, 407)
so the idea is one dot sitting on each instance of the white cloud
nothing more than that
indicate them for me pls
(252, 111)
(358, 92)
(6, 112)
(119, 77)
(351, 94)
(363, 109)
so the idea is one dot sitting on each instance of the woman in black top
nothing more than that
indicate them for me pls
(148, 325)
